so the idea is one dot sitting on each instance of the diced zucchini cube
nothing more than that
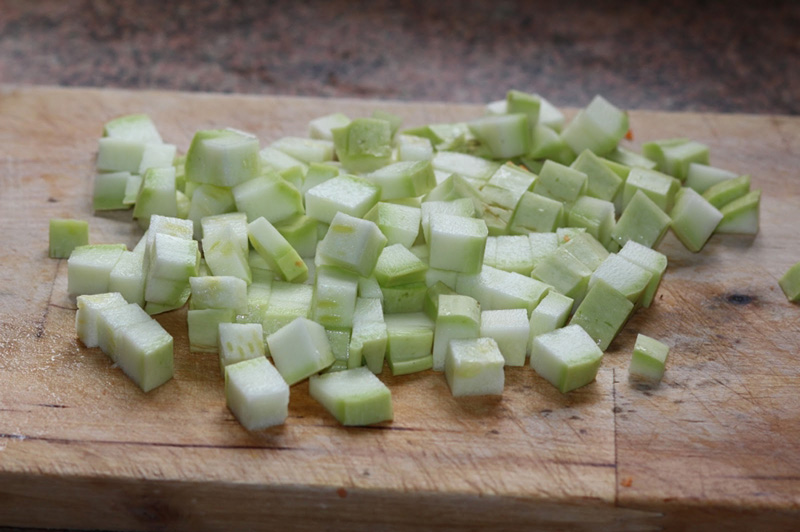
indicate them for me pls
(225, 245)
(536, 213)
(410, 337)
(741, 215)
(369, 339)
(403, 179)
(626, 277)
(66, 235)
(790, 283)
(602, 313)
(458, 317)
(302, 234)
(599, 127)
(542, 246)
(397, 266)
(218, 292)
(128, 276)
(222, 157)
(157, 195)
(144, 351)
(157, 155)
(203, 325)
(305, 149)
(363, 145)
(649, 259)
(565, 273)
(354, 397)
(269, 196)
(648, 360)
(510, 328)
(353, 244)
(287, 301)
(404, 298)
(725, 192)
(208, 200)
(701, 177)
(659, 187)
(567, 358)
(602, 183)
(674, 156)
(457, 243)
(474, 367)
(109, 191)
(546, 143)
(642, 221)
(320, 128)
(134, 127)
(89, 268)
(335, 293)
(549, 315)
(240, 341)
(113, 319)
(694, 219)
(560, 182)
(256, 394)
(399, 223)
(458, 207)
(89, 309)
(347, 194)
(276, 250)
(511, 253)
(300, 349)
(630, 158)
(411, 148)
(119, 155)
(465, 165)
(587, 249)
(596, 215)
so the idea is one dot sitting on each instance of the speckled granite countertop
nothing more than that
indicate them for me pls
(680, 55)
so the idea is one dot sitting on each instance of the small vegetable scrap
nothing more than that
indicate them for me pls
(462, 248)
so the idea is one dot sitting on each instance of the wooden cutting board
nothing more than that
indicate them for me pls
(716, 446)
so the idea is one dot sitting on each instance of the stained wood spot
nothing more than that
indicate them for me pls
(740, 299)
(341, 492)
(626, 482)
(52, 200)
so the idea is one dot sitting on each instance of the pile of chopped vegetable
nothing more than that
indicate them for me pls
(461, 248)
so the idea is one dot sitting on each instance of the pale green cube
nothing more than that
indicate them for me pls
(741, 215)
(403, 179)
(596, 215)
(276, 250)
(660, 188)
(458, 317)
(134, 127)
(560, 182)
(66, 235)
(474, 367)
(109, 191)
(648, 361)
(567, 358)
(119, 155)
(222, 157)
(203, 326)
(536, 214)
(790, 283)
(347, 194)
(113, 319)
(628, 278)
(399, 223)
(239, 342)
(305, 149)
(300, 349)
(256, 394)
(397, 266)
(599, 127)
(320, 128)
(649, 259)
(457, 243)
(128, 276)
(89, 268)
(602, 313)
(268, 196)
(510, 328)
(144, 351)
(694, 219)
(355, 397)
(218, 291)
(642, 221)
(89, 309)
(335, 293)
(549, 315)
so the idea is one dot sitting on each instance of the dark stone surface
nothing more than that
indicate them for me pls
(671, 55)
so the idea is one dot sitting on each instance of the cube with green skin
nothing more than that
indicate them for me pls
(536, 213)
(134, 127)
(354, 397)
(340, 347)
(602, 313)
(549, 115)
(596, 215)
(406, 367)
(208, 200)
(510, 253)
(725, 192)
(128, 276)
(497, 289)
(239, 342)
(397, 266)
(542, 246)
(66, 235)
(587, 249)
(335, 293)
(431, 305)
(369, 339)
(649, 259)
(157, 195)
(320, 128)
(157, 156)
(89, 268)
(458, 317)
(317, 174)
(549, 315)
(567, 358)
(505, 136)
(353, 244)
(173, 258)
(222, 157)
(465, 165)
(225, 245)
(276, 161)
(411, 148)
(410, 336)
(203, 325)
(109, 191)
(630, 158)
(474, 367)
(276, 250)
(648, 360)
(457, 243)
(258, 295)
(144, 351)
(119, 155)
(565, 273)
(89, 309)
(510, 328)
(301, 232)
(628, 278)
(458, 207)
(368, 287)
(546, 143)
(599, 127)
(602, 182)
(132, 189)
(256, 394)
(701, 177)
(268, 196)
(113, 319)
(305, 149)
(347, 194)
(511, 179)
(218, 292)
(363, 145)
(521, 102)
(674, 156)
(400, 223)
(287, 301)
(741, 215)
(300, 349)
(620, 169)
(659, 187)
(402, 298)
(560, 182)
(642, 221)
(790, 283)
(403, 179)
(694, 219)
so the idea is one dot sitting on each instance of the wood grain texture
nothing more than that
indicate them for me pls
(716, 446)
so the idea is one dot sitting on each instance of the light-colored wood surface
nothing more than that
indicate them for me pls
(717, 445)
